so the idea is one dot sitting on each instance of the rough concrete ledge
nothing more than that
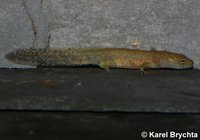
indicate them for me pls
(92, 89)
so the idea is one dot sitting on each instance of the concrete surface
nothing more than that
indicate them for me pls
(20, 125)
(142, 24)
(93, 89)
(171, 25)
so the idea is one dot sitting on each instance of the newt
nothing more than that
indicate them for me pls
(105, 58)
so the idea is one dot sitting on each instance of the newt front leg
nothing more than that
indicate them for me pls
(146, 65)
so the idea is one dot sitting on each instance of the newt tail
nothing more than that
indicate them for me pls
(104, 57)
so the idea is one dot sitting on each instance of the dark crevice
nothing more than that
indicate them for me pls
(49, 36)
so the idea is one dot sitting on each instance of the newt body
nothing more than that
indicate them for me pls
(104, 57)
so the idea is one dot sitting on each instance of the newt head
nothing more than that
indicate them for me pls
(176, 61)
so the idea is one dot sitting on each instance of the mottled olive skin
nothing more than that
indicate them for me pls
(104, 57)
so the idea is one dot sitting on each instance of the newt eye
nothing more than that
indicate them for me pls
(183, 61)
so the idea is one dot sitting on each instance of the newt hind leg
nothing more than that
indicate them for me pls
(142, 70)
(104, 66)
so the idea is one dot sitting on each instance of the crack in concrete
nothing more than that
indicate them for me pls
(49, 37)
(34, 29)
(31, 20)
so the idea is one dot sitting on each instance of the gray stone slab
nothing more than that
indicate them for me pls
(18, 21)
(93, 89)
(165, 25)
